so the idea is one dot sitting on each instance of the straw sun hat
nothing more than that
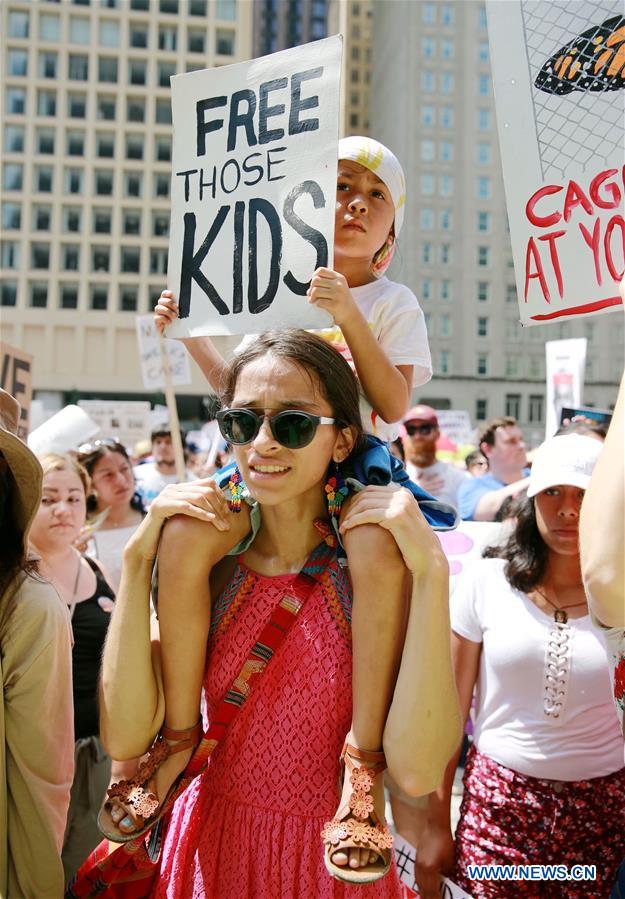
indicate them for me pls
(22, 462)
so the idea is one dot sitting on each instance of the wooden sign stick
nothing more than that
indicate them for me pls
(172, 412)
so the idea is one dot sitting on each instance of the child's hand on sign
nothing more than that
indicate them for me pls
(165, 311)
(329, 291)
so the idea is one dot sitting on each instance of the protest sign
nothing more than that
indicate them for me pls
(253, 190)
(405, 856)
(17, 379)
(456, 425)
(127, 420)
(151, 360)
(63, 432)
(597, 416)
(565, 361)
(558, 77)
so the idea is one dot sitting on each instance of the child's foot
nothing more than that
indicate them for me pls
(135, 804)
(358, 842)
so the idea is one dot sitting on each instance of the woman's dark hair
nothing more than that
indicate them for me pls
(13, 557)
(525, 551)
(89, 456)
(316, 357)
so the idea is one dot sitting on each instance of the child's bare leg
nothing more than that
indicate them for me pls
(378, 576)
(188, 552)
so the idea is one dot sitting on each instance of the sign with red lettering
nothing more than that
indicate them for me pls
(559, 76)
(253, 190)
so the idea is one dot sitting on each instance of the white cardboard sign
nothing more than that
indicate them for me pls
(150, 357)
(253, 190)
(559, 92)
(565, 364)
(126, 420)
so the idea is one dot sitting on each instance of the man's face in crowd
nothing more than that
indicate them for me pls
(509, 449)
(163, 450)
(419, 442)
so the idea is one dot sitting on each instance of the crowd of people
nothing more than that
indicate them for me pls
(216, 655)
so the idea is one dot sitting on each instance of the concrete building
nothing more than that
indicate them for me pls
(279, 24)
(353, 19)
(432, 103)
(86, 149)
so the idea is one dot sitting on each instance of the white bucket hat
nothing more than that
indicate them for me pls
(567, 460)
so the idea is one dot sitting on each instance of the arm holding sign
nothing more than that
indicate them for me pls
(201, 349)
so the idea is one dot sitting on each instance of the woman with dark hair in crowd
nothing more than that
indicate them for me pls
(36, 730)
(544, 781)
(249, 824)
(113, 507)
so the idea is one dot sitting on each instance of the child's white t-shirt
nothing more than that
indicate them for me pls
(398, 324)
(544, 703)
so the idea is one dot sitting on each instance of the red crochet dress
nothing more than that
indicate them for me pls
(249, 826)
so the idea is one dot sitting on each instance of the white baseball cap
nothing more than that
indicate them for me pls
(568, 459)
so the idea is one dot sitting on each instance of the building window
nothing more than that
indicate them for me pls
(445, 325)
(513, 405)
(105, 145)
(447, 117)
(134, 146)
(164, 72)
(511, 293)
(226, 10)
(132, 184)
(445, 219)
(197, 7)
(70, 255)
(17, 62)
(75, 143)
(446, 185)
(428, 13)
(106, 108)
(512, 366)
(482, 187)
(46, 103)
(445, 253)
(14, 139)
(107, 69)
(444, 367)
(68, 296)
(426, 252)
(8, 293)
(11, 216)
(10, 254)
(428, 116)
(163, 112)
(483, 221)
(481, 366)
(445, 289)
(131, 222)
(43, 179)
(481, 410)
(130, 259)
(103, 182)
(483, 85)
(109, 33)
(16, 100)
(169, 6)
(482, 326)
(481, 17)
(100, 259)
(40, 255)
(77, 67)
(483, 256)
(482, 51)
(71, 219)
(536, 405)
(135, 109)
(128, 299)
(77, 106)
(98, 297)
(49, 27)
(160, 224)
(427, 219)
(483, 119)
(73, 181)
(138, 36)
(426, 289)
(102, 221)
(483, 153)
(427, 150)
(427, 185)
(39, 295)
(161, 185)
(163, 149)
(158, 262)
(224, 42)
(447, 82)
(13, 176)
(446, 151)
(447, 49)
(140, 5)
(196, 41)
(18, 24)
(428, 81)
(79, 30)
(483, 289)
(428, 48)
(137, 70)
(167, 38)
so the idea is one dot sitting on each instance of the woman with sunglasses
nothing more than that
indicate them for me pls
(249, 824)
(114, 507)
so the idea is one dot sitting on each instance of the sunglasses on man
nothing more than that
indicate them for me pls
(422, 430)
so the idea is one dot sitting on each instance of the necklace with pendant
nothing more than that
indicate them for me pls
(560, 615)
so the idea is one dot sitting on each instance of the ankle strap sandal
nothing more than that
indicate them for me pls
(134, 792)
(356, 825)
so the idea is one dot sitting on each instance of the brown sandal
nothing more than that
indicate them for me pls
(134, 791)
(356, 825)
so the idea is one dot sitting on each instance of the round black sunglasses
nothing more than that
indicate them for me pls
(292, 429)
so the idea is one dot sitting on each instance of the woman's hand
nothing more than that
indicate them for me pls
(394, 508)
(329, 290)
(435, 857)
(165, 311)
(201, 499)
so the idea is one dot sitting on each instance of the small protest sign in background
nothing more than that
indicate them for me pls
(253, 190)
(16, 378)
(150, 357)
(565, 363)
(126, 420)
(559, 91)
